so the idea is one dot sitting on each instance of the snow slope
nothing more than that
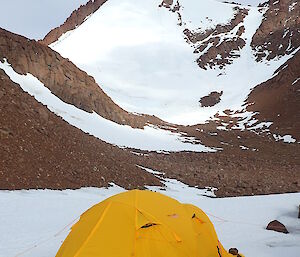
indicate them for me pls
(203, 15)
(137, 53)
(35, 223)
(149, 138)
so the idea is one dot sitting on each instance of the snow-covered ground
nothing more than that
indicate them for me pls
(149, 138)
(137, 53)
(34, 223)
(203, 15)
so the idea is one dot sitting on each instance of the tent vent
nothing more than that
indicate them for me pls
(148, 225)
(197, 219)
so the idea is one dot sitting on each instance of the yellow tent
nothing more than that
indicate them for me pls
(142, 224)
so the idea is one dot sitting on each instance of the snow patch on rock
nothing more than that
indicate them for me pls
(150, 138)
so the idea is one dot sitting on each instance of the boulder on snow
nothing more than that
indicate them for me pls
(277, 226)
(233, 251)
(211, 100)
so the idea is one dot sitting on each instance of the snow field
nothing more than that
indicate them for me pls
(34, 223)
(138, 55)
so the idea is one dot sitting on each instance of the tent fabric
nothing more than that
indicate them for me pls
(142, 223)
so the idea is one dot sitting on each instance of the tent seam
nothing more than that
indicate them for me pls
(93, 230)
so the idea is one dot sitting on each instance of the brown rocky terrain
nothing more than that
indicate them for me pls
(76, 18)
(278, 99)
(279, 33)
(40, 150)
(63, 78)
(265, 167)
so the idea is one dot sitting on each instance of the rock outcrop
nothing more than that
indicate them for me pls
(77, 18)
(234, 251)
(217, 50)
(211, 100)
(279, 33)
(63, 78)
(277, 226)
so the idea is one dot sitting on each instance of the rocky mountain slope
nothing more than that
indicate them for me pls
(40, 150)
(277, 99)
(63, 78)
(219, 74)
(279, 32)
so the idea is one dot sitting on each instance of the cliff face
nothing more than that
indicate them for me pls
(63, 78)
(76, 18)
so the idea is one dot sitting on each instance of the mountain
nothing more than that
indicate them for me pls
(233, 46)
(207, 93)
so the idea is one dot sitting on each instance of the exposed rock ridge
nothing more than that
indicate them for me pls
(77, 18)
(220, 45)
(279, 33)
(216, 46)
(63, 78)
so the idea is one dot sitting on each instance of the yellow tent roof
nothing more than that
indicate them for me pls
(142, 224)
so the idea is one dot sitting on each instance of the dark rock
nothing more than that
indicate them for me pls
(277, 226)
(212, 99)
(233, 251)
